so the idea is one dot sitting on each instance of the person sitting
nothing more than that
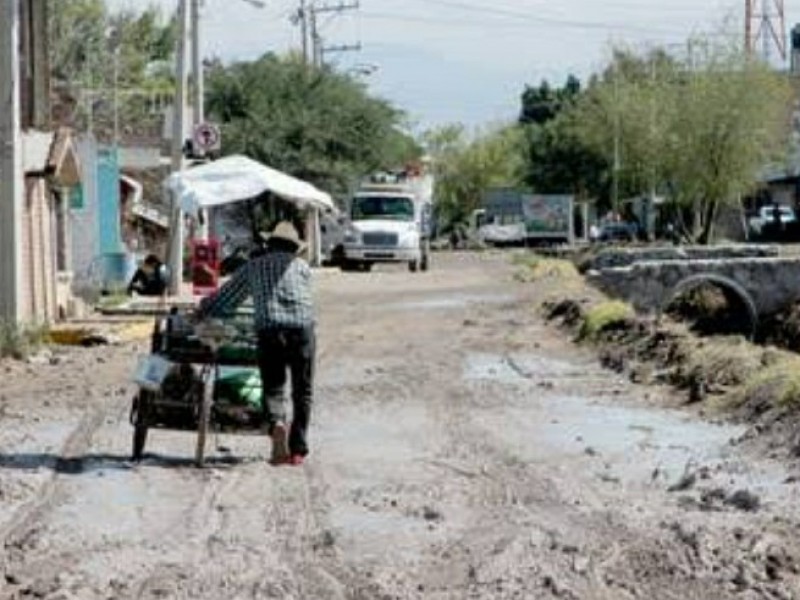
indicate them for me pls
(150, 279)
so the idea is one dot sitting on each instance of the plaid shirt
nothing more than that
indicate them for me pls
(280, 285)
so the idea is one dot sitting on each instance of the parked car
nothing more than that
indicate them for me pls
(619, 232)
(770, 216)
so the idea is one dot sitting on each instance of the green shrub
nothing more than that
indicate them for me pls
(604, 316)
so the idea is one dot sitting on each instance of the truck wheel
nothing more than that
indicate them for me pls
(413, 266)
(349, 266)
(425, 262)
(366, 267)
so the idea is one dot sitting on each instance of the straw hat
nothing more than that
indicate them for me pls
(286, 232)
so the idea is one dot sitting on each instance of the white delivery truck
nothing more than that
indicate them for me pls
(390, 222)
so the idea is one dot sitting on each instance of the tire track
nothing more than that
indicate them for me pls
(27, 517)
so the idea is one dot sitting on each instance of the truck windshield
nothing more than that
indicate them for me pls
(383, 207)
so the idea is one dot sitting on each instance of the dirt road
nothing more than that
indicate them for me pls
(461, 449)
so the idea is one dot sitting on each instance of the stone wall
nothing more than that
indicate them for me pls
(624, 257)
(770, 284)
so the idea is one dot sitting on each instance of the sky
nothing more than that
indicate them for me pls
(468, 61)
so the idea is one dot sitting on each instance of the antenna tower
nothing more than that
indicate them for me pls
(765, 29)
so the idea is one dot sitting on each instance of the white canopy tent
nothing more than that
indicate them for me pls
(236, 179)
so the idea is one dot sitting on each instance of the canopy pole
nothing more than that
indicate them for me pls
(175, 247)
(314, 236)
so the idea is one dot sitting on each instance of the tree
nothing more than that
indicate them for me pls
(624, 117)
(92, 51)
(466, 167)
(697, 129)
(557, 161)
(83, 35)
(731, 120)
(542, 104)
(77, 32)
(315, 124)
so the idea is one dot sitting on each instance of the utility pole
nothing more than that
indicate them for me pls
(316, 40)
(302, 18)
(175, 258)
(617, 144)
(201, 230)
(197, 66)
(11, 171)
(319, 50)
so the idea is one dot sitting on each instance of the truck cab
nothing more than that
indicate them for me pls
(389, 223)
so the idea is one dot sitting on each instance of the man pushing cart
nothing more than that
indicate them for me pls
(279, 283)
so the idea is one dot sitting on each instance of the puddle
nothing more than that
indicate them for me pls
(619, 443)
(517, 368)
(453, 301)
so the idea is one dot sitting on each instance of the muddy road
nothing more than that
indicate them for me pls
(460, 449)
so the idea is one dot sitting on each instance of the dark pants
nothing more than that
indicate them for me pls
(288, 350)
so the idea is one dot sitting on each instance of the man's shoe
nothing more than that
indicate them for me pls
(280, 444)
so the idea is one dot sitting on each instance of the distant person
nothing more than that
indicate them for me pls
(150, 279)
(776, 215)
(279, 281)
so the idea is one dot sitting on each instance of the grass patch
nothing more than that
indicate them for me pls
(20, 340)
(779, 383)
(605, 316)
(535, 268)
(726, 362)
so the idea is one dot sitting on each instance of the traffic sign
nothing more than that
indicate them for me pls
(207, 137)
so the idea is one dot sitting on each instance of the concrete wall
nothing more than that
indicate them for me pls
(771, 284)
(84, 220)
(39, 252)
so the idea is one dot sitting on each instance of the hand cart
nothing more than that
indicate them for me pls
(181, 383)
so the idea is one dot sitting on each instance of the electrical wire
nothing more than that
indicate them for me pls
(542, 20)
(411, 18)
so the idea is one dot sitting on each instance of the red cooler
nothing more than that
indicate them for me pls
(205, 266)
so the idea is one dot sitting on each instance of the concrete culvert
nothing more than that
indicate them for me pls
(713, 305)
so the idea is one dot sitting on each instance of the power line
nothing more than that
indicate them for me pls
(522, 16)
(411, 18)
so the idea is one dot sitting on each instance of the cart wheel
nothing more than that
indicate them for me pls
(203, 419)
(140, 410)
(139, 440)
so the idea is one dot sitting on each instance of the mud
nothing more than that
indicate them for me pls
(461, 449)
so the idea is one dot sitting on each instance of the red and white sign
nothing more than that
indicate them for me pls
(207, 137)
